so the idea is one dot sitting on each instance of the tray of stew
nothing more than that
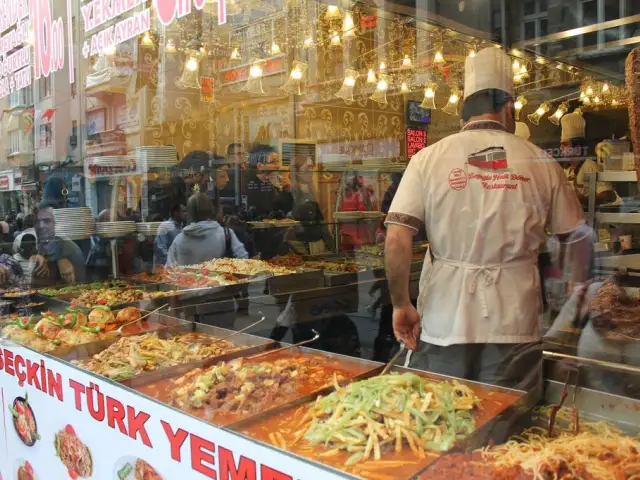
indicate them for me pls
(232, 390)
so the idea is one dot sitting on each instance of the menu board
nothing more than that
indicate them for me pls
(416, 141)
(145, 439)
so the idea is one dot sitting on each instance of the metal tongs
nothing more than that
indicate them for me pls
(269, 352)
(394, 359)
(563, 396)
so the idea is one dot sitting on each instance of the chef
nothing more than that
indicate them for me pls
(572, 146)
(485, 197)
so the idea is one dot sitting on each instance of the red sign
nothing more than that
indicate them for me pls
(416, 141)
(274, 65)
(4, 182)
(368, 21)
(206, 89)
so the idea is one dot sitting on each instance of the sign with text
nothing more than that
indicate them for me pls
(141, 434)
(240, 74)
(416, 141)
(206, 89)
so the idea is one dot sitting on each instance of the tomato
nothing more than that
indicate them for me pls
(102, 301)
(19, 406)
(73, 475)
(28, 468)
(69, 429)
(205, 271)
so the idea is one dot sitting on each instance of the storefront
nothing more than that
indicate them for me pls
(132, 132)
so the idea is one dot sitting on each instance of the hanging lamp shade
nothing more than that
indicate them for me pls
(348, 85)
(293, 84)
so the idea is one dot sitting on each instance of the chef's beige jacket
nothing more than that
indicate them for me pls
(485, 226)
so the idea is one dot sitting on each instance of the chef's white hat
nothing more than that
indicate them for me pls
(490, 68)
(522, 130)
(573, 126)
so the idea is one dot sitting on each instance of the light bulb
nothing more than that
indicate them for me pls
(349, 81)
(615, 102)
(110, 50)
(383, 66)
(454, 98)
(472, 53)
(589, 91)
(308, 42)
(406, 62)
(517, 78)
(203, 50)
(382, 85)
(147, 41)
(582, 95)
(429, 100)
(296, 74)
(255, 71)
(275, 49)
(516, 65)
(192, 64)
(348, 27)
(429, 93)
(404, 88)
(519, 104)
(523, 70)
(605, 88)
(235, 54)
(438, 57)
(596, 100)
(540, 111)
(171, 47)
(371, 76)
(586, 100)
(335, 40)
(541, 61)
(333, 12)
(559, 113)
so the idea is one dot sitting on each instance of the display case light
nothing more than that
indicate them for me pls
(380, 95)
(348, 84)
(429, 100)
(538, 114)
(348, 27)
(562, 109)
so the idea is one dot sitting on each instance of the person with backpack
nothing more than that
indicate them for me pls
(204, 238)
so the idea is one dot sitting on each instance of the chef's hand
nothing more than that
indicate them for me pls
(67, 271)
(40, 269)
(406, 325)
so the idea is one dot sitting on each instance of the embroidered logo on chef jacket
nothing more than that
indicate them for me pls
(492, 158)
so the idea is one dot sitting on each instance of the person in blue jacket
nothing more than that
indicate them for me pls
(204, 238)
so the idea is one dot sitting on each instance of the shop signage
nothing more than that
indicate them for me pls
(356, 149)
(416, 141)
(5, 182)
(97, 12)
(91, 413)
(17, 16)
(240, 74)
(206, 89)
(169, 10)
(368, 21)
(129, 166)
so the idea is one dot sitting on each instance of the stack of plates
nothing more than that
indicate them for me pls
(150, 229)
(115, 229)
(157, 157)
(74, 223)
(112, 161)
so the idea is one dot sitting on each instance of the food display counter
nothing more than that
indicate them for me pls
(252, 408)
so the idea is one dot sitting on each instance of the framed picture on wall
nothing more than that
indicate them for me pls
(96, 121)
(416, 114)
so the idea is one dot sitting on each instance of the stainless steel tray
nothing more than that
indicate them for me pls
(490, 430)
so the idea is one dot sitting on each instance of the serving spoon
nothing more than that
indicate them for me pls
(269, 352)
(394, 359)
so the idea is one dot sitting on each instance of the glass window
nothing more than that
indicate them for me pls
(45, 87)
(530, 7)
(14, 141)
(46, 135)
(530, 30)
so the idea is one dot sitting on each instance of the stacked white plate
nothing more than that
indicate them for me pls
(112, 160)
(115, 229)
(74, 223)
(149, 229)
(157, 157)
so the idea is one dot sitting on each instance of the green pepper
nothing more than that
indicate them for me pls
(95, 329)
(102, 307)
(53, 321)
(13, 322)
(24, 322)
(74, 320)
(57, 341)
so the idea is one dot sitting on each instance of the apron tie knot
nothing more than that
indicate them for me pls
(490, 276)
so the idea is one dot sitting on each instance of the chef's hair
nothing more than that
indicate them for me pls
(491, 100)
(200, 208)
